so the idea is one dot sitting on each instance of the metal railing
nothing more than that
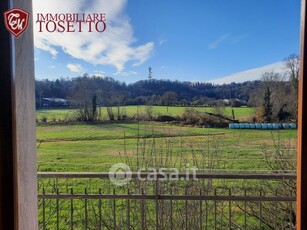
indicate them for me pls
(213, 201)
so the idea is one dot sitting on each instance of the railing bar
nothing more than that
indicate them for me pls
(200, 212)
(276, 207)
(128, 211)
(171, 220)
(215, 207)
(221, 217)
(44, 212)
(251, 176)
(206, 220)
(157, 205)
(143, 211)
(85, 209)
(168, 197)
(114, 210)
(245, 211)
(57, 210)
(260, 212)
(100, 211)
(71, 210)
(229, 211)
(291, 211)
(186, 211)
(162, 214)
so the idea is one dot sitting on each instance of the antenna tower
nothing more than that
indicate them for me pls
(149, 73)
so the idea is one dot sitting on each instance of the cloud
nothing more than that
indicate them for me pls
(162, 40)
(239, 38)
(249, 75)
(75, 68)
(125, 74)
(218, 41)
(114, 47)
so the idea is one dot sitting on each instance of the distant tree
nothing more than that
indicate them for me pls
(88, 110)
(149, 112)
(267, 105)
(282, 114)
(169, 98)
(292, 64)
(274, 81)
(94, 106)
(110, 113)
(219, 108)
(281, 97)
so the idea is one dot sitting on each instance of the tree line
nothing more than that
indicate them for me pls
(274, 96)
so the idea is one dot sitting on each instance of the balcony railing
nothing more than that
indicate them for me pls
(207, 201)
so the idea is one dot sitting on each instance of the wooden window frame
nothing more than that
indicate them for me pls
(18, 171)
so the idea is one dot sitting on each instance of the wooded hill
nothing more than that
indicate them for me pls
(110, 92)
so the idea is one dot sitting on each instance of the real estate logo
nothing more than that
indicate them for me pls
(16, 21)
(71, 22)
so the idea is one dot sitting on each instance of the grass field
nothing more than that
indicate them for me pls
(66, 114)
(97, 147)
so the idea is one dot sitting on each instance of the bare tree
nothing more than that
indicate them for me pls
(168, 98)
(292, 64)
(87, 111)
(281, 96)
(149, 112)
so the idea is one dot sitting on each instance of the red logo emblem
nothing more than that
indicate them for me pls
(16, 21)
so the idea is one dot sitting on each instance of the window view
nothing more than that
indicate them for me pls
(166, 114)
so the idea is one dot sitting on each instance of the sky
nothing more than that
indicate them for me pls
(218, 41)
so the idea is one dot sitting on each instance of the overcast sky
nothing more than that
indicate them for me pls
(219, 41)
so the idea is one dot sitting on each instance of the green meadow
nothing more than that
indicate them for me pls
(96, 147)
(67, 114)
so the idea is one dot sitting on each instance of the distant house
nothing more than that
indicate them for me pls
(237, 103)
(55, 102)
(226, 102)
